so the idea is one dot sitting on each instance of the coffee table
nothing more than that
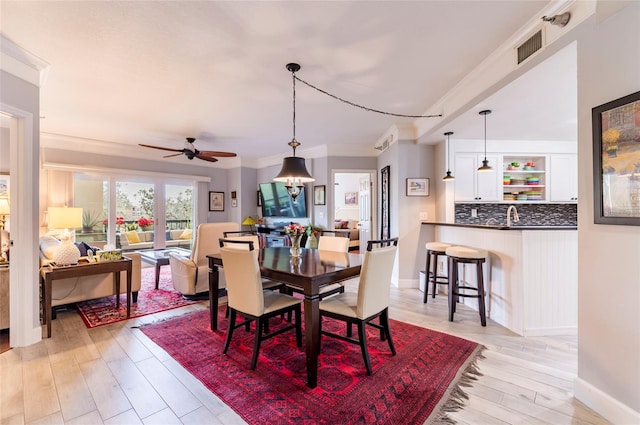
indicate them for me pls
(160, 257)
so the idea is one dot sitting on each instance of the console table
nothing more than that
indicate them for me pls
(48, 274)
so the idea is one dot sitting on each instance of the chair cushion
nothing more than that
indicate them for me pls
(132, 237)
(274, 301)
(343, 304)
(436, 246)
(186, 234)
(466, 252)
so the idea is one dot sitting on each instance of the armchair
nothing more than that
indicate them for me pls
(190, 276)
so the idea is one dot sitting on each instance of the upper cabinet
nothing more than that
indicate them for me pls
(470, 185)
(563, 178)
(524, 178)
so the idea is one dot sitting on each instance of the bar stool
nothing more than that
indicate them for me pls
(465, 255)
(434, 250)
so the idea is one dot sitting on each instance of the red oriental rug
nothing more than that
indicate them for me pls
(422, 382)
(103, 311)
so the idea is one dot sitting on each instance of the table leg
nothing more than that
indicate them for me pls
(129, 284)
(116, 278)
(312, 335)
(157, 274)
(214, 285)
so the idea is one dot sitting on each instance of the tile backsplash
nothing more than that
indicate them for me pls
(530, 214)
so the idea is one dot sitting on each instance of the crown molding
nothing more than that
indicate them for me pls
(21, 63)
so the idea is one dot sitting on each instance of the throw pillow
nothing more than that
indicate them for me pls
(345, 224)
(132, 237)
(83, 247)
(48, 246)
(187, 234)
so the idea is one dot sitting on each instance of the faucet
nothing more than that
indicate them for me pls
(491, 220)
(515, 215)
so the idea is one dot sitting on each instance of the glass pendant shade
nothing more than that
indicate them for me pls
(485, 163)
(448, 177)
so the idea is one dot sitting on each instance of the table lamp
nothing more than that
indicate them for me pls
(5, 208)
(249, 221)
(65, 218)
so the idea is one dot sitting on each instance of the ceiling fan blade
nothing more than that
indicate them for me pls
(172, 155)
(206, 158)
(218, 154)
(161, 148)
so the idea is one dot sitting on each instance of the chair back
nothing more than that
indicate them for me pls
(206, 242)
(244, 284)
(333, 243)
(240, 236)
(375, 278)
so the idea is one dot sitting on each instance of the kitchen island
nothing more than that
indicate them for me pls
(532, 273)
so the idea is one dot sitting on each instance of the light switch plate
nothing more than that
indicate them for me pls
(474, 213)
(424, 215)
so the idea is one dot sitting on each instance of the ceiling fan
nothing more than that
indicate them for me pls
(191, 152)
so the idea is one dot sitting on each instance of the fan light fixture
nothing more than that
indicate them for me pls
(294, 172)
(485, 163)
(448, 177)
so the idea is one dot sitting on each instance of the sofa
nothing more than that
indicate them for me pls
(136, 240)
(350, 229)
(66, 291)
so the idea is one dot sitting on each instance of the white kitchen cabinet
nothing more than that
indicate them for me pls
(470, 185)
(563, 178)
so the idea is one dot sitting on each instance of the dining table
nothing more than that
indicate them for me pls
(309, 272)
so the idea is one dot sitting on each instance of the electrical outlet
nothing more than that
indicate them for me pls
(424, 215)
(320, 214)
(474, 212)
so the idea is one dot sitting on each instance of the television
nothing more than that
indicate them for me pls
(276, 202)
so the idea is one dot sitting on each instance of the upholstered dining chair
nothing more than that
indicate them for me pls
(190, 276)
(371, 301)
(247, 297)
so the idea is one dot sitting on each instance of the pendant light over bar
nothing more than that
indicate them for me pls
(294, 172)
(448, 177)
(485, 163)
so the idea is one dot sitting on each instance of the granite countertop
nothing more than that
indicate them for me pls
(500, 226)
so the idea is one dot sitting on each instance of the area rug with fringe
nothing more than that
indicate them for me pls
(103, 311)
(421, 383)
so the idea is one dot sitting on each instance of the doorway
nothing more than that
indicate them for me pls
(354, 203)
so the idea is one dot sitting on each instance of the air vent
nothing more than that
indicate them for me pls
(529, 47)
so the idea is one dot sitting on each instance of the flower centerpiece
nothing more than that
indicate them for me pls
(295, 232)
(145, 223)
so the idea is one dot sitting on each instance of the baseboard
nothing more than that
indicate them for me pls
(605, 405)
(408, 283)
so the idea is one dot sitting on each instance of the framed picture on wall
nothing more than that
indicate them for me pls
(385, 203)
(417, 187)
(216, 201)
(616, 161)
(351, 198)
(4, 184)
(319, 195)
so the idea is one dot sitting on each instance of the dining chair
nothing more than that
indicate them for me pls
(247, 297)
(371, 300)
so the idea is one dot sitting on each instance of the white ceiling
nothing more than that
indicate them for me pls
(157, 72)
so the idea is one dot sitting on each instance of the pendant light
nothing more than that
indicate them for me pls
(448, 177)
(294, 172)
(485, 163)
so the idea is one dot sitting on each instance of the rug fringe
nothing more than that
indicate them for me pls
(455, 397)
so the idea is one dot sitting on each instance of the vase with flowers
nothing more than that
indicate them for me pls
(145, 223)
(295, 232)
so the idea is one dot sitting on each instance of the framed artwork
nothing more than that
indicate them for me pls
(351, 198)
(233, 194)
(259, 199)
(216, 201)
(385, 203)
(417, 187)
(319, 195)
(4, 184)
(616, 161)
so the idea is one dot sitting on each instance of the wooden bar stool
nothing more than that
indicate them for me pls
(434, 250)
(465, 255)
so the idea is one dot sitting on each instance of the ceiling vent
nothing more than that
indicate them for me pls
(529, 47)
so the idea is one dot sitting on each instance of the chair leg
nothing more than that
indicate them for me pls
(256, 345)
(427, 277)
(349, 330)
(298, 326)
(384, 321)
(226, 313)
(453, 276)
(362, 336)
(434, 285)
(481, 306)
(227, 340)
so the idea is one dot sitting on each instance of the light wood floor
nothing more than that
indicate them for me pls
(115, 375)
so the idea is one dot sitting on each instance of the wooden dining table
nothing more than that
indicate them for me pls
(310, 272)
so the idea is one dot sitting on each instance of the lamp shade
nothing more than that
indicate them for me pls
(65, 217)
(293, 170)
(249, 221)
(4, 205)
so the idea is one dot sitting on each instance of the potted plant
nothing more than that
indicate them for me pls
(89, 221)
(145, 223)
